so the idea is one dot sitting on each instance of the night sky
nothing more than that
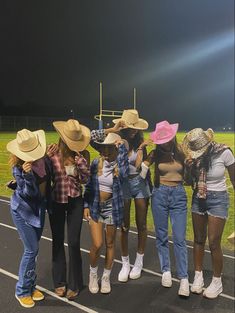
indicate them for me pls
(179, 54)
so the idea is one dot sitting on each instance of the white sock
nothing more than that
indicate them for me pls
(93, 270)
(139, 257)
(216, 279)
(106, 272)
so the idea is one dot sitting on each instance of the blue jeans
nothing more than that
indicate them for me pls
(30, 237)
(136, 187)
(171, 201)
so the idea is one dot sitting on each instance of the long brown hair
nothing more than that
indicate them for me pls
(65, 151)
(176, 154)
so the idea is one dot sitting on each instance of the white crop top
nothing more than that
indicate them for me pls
(215, 179)
(132, 159)
(70, 170)
(106, 179)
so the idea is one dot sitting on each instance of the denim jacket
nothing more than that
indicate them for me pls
(91, 196)
(27, 199)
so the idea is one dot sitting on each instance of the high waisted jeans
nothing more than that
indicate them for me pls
(171, 201)
(30, 237)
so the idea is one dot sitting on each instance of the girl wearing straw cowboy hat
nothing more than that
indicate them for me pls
(169, 200)
(104, 204)
(130, 128)
(206, 164)
(71, 170)
(28, 204)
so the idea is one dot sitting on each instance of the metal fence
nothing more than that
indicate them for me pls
(15, 123)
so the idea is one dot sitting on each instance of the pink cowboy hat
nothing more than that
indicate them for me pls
(164, 132)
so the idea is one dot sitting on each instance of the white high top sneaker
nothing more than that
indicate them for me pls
(105, 284)
(137, 268)
(198, 283)
(184, 288)
(166, 279)
(93, 280)
(105, 281)
(214, 289)
(124, 273)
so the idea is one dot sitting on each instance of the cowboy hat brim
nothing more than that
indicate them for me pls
(160, 141)
(33, 155)
(140, 125)
(197, 153)
(78, 145)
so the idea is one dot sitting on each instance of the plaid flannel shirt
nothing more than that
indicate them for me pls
(92, 192)
(68, 186)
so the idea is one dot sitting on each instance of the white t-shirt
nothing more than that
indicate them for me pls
(216, 180)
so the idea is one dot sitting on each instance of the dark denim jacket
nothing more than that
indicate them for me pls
(26, 199)
(91, 196)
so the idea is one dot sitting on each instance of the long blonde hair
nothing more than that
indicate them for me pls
(15, 161)
(100, 168)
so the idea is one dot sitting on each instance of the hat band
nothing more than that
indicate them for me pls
(194, 146)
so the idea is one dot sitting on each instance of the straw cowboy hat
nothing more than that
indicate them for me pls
(110, 140)
(196, 142)
(28, 146)
(75, 136)
(164, 132)
(132, 120)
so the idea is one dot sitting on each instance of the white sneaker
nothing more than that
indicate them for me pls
(137, 269)
(198, 283)
(105, 284)
(166, 279)
(93, 283)
(124, 273)
(214, 289)
(184, 288)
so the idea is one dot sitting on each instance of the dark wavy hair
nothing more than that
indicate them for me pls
(133, 142)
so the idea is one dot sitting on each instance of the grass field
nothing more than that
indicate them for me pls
(227, 138)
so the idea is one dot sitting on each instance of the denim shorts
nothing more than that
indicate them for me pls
(105, 212)
(217, 204)
(135, 187)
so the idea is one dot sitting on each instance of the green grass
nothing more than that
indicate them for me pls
(227, 138)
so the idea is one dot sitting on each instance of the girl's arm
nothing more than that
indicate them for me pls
(150, 158)
(26, 182)
(142, 153)
(100, 134)
(231, 172)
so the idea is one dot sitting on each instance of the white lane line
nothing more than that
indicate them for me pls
(120, 262)
(153, 237)
(73, 303)
(190, 247)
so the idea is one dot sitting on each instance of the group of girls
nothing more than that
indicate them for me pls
(51, 178)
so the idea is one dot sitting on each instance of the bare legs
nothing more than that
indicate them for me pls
(97, 242)
(141, 209)
(215, 230)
